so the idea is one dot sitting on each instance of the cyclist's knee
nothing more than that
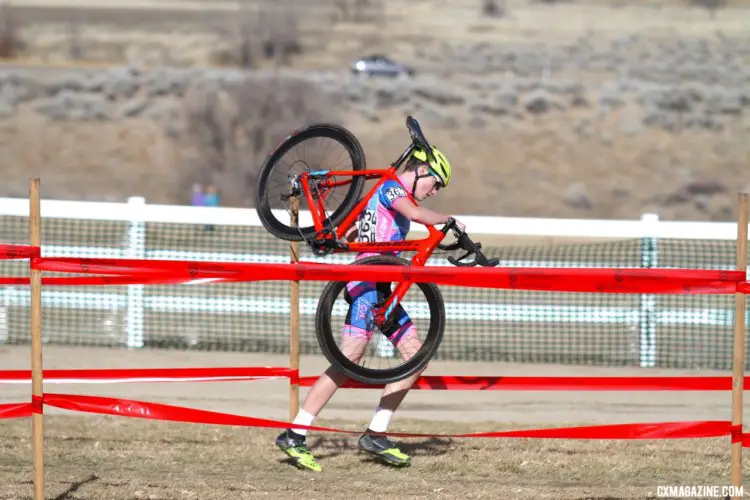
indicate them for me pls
(404, 332)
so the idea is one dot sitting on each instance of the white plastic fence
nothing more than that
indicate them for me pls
(137, 213)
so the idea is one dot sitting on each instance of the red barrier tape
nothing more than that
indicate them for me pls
(10, 252)
(157, 411)
(451, 383)
(164, 279)
(127, 375)
(464, 383)
(15, 410)
(637, 280)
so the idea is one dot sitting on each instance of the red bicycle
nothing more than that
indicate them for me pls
(302, 179)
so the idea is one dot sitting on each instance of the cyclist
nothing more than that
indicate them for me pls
(387, 218)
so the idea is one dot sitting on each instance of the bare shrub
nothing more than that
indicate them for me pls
(231, 128)
(280, 33)
(266, 31)
(491, 8)
(75, 47)
(360, 11)
(10, 42)
(710, 5)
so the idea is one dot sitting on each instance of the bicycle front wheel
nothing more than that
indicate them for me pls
(355, 346)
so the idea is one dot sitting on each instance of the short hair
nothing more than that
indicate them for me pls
(413, 164)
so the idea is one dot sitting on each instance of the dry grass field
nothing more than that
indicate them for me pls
(98, 458)
(101, 458)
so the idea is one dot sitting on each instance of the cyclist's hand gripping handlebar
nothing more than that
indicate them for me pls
(465, 243)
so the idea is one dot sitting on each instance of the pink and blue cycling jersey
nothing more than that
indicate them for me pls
(380, 222)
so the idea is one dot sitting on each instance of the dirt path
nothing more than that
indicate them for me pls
(269, 399)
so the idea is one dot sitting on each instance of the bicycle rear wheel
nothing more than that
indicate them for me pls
(343, 151)
(424, 306)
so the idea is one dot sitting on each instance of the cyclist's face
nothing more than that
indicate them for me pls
(427, 186)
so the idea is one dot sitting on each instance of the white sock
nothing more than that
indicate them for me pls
(303, 418)
(381, 420)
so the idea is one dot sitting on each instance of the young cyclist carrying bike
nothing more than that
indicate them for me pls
(387, 217)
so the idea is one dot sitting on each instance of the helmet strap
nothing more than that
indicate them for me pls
(416, 179)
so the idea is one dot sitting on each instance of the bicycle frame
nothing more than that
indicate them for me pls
(423, 248)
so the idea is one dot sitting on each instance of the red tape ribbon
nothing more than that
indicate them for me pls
(435, 382)
(637, 280)
(735, 432)
(157, 411)
(11, 252)
(161, 279)
(124, 375)
(37, 404)
(471, 383)
(15, 410)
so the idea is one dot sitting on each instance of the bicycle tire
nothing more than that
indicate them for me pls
(430, 345)
(331, 131)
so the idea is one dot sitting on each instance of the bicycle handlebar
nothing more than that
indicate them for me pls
(465, 243)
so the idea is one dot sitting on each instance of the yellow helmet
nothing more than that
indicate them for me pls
(438, 164)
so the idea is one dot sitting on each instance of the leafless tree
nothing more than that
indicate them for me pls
(262, 31)
(493, 8)
(10, 42)
(232, 127)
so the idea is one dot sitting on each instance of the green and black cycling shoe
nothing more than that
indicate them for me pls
(295, 446)
(384, 450)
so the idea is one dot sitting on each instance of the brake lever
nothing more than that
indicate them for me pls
(471, 248)
(458, 263)
(451, 247)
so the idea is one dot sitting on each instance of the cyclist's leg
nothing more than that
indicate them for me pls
(406, 339)
(356, 333)
(404, 335)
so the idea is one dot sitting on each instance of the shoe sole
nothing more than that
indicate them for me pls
(384, 459)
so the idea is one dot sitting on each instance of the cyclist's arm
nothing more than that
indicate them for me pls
(420, 214)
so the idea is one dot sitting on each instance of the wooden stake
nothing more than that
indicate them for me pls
(294, 318)
(738, 375)
(35, 226)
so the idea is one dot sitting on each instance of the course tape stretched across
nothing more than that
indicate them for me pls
(142, 271)
(636, 280)
(140, 375)
(157, 411)
(430, 382)
(96, 280)
(12, 252)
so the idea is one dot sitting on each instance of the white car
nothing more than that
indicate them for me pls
(379, 65)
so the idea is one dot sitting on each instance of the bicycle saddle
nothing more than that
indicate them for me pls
(416, 133)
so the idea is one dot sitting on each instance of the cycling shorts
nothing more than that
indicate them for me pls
(362, 297)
